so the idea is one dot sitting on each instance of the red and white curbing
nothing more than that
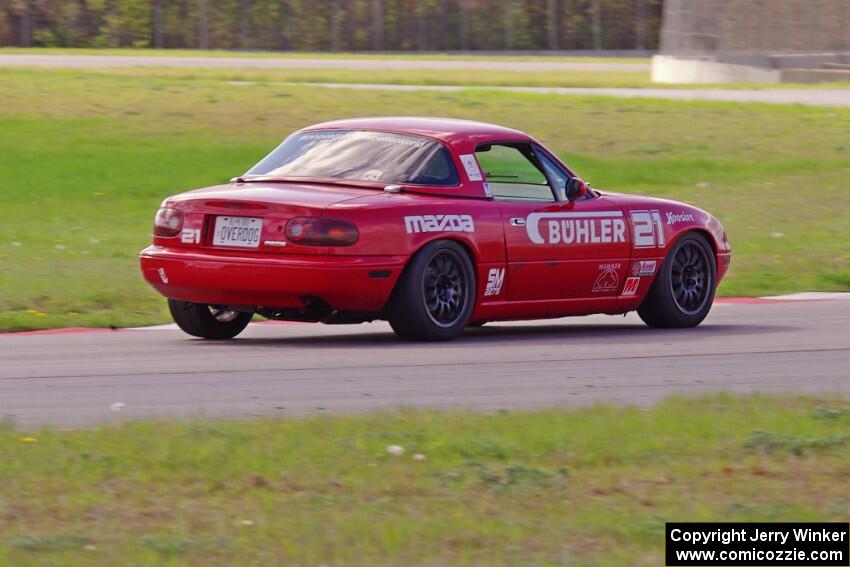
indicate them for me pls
(82, 330)
(800, 296)
(774, 299)
(173, 326)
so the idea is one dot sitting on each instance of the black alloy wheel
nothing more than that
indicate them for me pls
(683, 290)
(435, 294)
(690, 278)
(444, 288)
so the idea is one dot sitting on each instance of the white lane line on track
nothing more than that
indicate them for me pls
(810, 296)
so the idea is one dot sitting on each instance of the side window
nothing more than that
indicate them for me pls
(511, 175)
(438, 170)
(555, 173)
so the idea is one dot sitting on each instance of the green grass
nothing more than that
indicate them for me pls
(554, 487)
(86, 158)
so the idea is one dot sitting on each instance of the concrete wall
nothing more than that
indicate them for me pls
(669, 69)
(807, 68)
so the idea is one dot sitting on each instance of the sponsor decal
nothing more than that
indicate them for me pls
(471, 166)
(604, 227)
(392, 140)
(275, 243)
(608, 280)
(630, 287)
(673, 218)
(321, 136)
(487, 192)
(648, 230)
(644, 267)
(439, 223)
(190, 236)
(376, 137)
(162, 275)
(495, 279)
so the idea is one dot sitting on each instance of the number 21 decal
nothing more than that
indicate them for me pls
(190, 236)
(648, 230)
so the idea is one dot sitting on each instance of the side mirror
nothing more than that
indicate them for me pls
(575, 188)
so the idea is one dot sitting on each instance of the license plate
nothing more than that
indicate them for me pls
(243, 232)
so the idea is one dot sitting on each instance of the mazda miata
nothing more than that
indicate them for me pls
(432, 224)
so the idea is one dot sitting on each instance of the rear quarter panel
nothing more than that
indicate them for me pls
(401, 224)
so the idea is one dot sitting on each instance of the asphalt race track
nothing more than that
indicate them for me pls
(285, 369)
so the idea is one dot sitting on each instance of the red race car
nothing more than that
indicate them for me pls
(432, 224)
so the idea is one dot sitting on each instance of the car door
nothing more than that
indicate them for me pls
(556, 249)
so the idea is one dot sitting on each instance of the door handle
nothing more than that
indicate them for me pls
(517, 221)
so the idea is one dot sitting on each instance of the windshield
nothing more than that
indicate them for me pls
(361, 156)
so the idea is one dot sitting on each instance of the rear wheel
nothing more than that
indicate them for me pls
(208, 321)
(683, 290)
(435, 295)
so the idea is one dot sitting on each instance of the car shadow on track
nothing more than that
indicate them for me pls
(556, 333)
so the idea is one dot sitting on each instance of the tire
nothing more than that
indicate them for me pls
(683, 291)
(207, 321)
(435, 294)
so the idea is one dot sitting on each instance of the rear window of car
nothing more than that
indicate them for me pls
(358, 155)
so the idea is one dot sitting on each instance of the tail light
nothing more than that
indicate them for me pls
(319, 231)
(167, 222)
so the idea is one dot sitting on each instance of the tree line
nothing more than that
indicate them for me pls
(334, 25)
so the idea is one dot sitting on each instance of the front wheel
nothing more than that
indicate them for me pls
(208, 321)
(683, 290)
(435, 295)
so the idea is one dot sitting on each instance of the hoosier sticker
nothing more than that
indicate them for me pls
(673, 218)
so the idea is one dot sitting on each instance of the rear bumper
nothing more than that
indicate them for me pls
(346, 283)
